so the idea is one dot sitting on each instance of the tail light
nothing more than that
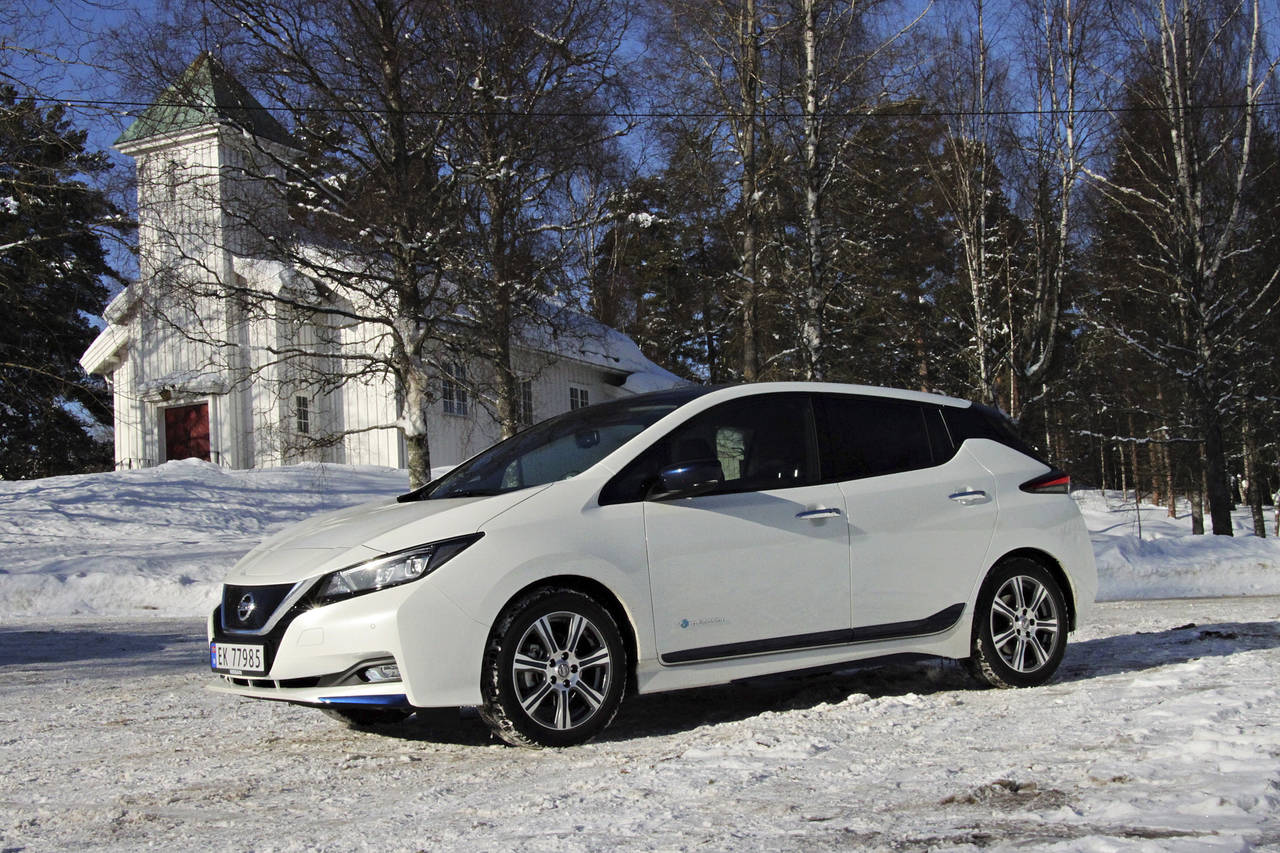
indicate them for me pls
(1054, 483)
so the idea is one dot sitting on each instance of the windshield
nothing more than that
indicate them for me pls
(556, 449)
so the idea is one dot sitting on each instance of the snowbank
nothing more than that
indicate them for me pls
(159, 540)
(1167, 561)
(155, 540)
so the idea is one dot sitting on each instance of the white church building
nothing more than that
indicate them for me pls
(222, 398)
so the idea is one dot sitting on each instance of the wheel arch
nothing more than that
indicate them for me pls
(598, 592)
(1054, 568)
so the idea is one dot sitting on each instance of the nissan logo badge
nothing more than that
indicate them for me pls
(246, 607)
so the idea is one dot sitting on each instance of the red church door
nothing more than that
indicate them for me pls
(186, 432)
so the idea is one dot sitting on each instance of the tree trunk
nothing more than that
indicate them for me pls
(750, 87)
(1197, 498)
(1253, 477)
(1167, 456)
(1217, 490)
(419, 460)
(812, 328)
(415, 386)
(1133, 462)
(507, 383)
(1155, 469)
(1102, 465)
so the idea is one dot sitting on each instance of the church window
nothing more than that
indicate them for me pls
(302, 414)
(453, 391)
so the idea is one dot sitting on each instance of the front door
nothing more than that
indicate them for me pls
(761, 564)
(186, 432)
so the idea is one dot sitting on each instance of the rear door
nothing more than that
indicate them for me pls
(921, 515)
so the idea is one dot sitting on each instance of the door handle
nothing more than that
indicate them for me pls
(971, 497)
(831, 512)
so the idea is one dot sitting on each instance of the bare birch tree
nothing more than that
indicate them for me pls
(1061, 46)
(969, 180)
(1197, 70)
(541, 78)
(842, 72)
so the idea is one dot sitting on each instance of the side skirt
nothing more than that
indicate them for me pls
(939, 622)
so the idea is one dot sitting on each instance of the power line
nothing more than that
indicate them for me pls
(674, 114)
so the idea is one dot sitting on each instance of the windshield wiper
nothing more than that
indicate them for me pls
(469, 493)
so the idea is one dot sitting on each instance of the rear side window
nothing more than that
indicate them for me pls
(978, 421)
(868, 436)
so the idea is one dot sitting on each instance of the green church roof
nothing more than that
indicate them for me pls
(206, 94)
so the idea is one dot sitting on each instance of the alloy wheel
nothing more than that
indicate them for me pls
(1024, 623)
(562, 670)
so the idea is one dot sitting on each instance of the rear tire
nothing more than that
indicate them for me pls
(1019, 626)
(555, 670)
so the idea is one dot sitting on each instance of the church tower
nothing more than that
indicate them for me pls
(210, 162)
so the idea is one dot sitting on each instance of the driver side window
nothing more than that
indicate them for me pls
(761, 442)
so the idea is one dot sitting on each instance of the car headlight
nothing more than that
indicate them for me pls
(392, 570)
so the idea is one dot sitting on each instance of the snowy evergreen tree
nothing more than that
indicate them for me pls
(52, 266)
(665, 276)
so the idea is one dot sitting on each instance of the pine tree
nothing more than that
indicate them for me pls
(52, 266)
(665, 275)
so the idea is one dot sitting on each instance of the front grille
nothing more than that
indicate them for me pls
(247, 608)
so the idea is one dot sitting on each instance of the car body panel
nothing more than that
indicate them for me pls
(654, 677)
(915, 549)
(1050, 524)
(340, 539)
(744, 567)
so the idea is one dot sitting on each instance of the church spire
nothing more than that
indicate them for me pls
(204, 95)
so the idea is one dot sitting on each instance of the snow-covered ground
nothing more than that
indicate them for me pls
(1158, 734)
(1166, 561)
(159, 540)
(1161, 731)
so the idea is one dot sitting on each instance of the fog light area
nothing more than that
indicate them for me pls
(382, 672)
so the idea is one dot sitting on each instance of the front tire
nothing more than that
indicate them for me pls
(555, 670)
(1019, 626)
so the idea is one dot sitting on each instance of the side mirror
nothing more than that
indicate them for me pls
(696, 477)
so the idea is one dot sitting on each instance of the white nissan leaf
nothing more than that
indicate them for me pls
(669, 540)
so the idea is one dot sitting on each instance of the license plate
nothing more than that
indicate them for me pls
(239, 660)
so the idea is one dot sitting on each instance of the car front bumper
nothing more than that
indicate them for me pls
(315, 654)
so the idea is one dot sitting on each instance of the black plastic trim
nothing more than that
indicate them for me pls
(937, 623)
(351, 675)
(279, 599)
(270, 641)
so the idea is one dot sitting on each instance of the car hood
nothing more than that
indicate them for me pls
(343, 538)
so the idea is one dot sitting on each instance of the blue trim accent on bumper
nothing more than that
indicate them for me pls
(393, 700)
